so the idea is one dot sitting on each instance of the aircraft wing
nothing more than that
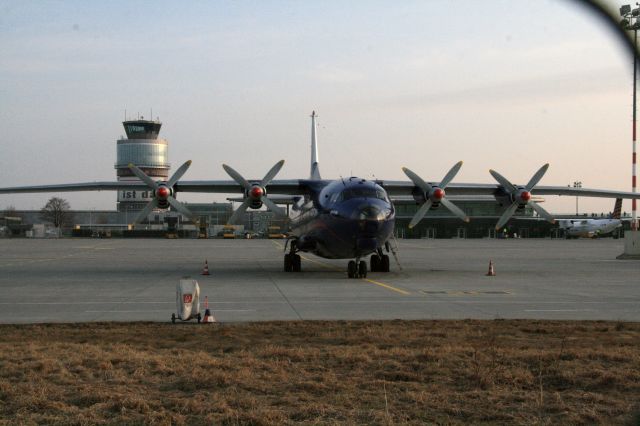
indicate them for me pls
(278, 199)
(584, 192)
(400, 188)
(406, 188)
(74, 187)
(284, 186)
(303, 186)
(288, 187)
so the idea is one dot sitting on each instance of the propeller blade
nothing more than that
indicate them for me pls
(455, 209)
(179, 207)
(536, 178)
(503, 181)
(506, 215)
(239, 211)
(271, 173)
(237, 177)
(145, 212)
(273, 207)
(420, 213)
(450, 175)
(542, 212)
(417, 180)
(178, 174)
(143, 177)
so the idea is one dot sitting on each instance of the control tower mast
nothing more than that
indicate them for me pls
(144, 149)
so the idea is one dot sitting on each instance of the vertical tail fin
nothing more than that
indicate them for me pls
(617, 209)
(315, 170)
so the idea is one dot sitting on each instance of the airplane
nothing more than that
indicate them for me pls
(593, 228)
(346, 218)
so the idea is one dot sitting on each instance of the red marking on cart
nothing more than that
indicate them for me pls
(187, 298)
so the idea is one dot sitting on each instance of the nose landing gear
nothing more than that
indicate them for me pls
(379, 262)
(357, 269)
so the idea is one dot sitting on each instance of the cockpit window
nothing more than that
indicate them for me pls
(362, 192)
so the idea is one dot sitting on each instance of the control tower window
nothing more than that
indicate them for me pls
(135, 129)
(142, 129)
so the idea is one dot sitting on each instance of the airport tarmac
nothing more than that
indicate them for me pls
(77, 280)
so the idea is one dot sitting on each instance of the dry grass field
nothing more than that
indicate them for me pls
(395, 372)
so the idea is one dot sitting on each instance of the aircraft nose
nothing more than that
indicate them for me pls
(371, 212)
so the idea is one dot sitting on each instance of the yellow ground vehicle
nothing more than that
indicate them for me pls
(228, 232)
(275, 232)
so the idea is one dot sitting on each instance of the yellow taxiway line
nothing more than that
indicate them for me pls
(388, 287)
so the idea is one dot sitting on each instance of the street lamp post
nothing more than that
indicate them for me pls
(577, 184)
(631, 22)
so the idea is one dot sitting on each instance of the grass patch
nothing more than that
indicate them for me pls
(381, 372)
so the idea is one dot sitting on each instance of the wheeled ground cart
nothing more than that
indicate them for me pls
(187, 301)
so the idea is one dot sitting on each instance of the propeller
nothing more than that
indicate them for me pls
(435, 194)
(255, 193)
(521, 196)
(163, 192)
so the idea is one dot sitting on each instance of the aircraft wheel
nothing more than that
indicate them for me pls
(352, 269)
(362, 269)
(297, 263)
(288, 264)
(384, 264)
(173, 318)
(375, 263)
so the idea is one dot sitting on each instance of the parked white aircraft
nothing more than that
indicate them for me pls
(593, 228)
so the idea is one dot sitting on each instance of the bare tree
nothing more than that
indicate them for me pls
(56, 211)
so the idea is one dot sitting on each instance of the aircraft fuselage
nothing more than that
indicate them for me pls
(346, 219)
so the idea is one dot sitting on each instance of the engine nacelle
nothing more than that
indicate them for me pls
(255, 204)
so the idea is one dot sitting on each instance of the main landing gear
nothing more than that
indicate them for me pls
(292, 261)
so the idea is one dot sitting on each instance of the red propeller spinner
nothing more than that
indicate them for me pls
(256, 192)
(162, 192)
(438, 194)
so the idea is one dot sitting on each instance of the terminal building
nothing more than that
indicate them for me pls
(484, 213)
(146, 150)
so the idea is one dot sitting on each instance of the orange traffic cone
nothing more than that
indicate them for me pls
(205, 270)
(492, 272)
(208, 317)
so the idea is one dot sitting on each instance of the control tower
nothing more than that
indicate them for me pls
(144, 149)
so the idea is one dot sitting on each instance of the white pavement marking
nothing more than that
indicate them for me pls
(86, 303)
(559, 310)
(163, 310)
(332, 301)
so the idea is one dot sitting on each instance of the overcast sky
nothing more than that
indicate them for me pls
(499, 84)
